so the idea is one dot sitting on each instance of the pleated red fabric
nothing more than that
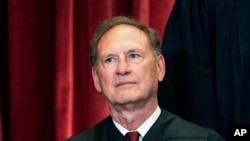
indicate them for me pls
(49, 93)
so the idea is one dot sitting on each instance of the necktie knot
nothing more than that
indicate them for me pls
(132, 136)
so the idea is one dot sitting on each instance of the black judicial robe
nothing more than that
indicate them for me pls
(168, 127)
(206, 46)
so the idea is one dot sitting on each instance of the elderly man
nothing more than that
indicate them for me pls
(127, 67)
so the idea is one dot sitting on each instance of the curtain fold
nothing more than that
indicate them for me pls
(47, 91)
(64, 67)
(30, 47)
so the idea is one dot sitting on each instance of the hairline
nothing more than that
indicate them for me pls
(149, 32)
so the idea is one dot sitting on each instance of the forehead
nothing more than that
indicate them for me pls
(123, 36)
(124, 30)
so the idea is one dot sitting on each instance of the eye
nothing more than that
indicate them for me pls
(135, 58)
(109, 60)
(134, 55)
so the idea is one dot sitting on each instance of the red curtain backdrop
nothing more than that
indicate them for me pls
(47, 91)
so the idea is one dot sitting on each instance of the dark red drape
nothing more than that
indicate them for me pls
(46, 85)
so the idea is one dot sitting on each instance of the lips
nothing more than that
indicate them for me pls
(124, 83)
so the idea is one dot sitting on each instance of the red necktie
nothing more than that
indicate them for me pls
(132, 136)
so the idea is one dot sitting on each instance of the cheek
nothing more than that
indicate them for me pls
(151, 70)
(148, 74)
(105, 81)
(153, 76)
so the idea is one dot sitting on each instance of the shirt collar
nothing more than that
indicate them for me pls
(143, 128)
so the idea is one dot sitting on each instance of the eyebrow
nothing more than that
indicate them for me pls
(126, 52)
(135, 50)
(109, 55)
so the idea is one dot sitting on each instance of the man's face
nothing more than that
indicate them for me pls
(127, 71)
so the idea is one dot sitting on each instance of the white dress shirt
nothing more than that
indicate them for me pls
(144, 127)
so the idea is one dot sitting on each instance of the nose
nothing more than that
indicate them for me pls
(123, 67)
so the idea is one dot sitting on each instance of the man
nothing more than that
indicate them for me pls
(127, 67)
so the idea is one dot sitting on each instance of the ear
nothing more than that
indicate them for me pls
(161, 67)
(96, 80)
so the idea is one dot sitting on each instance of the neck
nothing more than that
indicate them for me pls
(132, 115)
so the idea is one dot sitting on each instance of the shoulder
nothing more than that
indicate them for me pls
(93, 133)
(173, 127)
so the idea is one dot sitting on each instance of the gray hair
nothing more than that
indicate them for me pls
(107, 24)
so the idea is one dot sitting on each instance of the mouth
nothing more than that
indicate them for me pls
(125, 83)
